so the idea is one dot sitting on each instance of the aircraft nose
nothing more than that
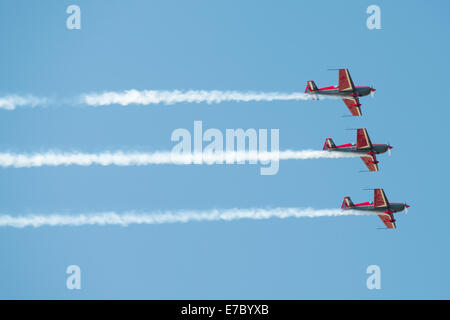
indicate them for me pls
(406, 208)
(373, 90)
(388, 148)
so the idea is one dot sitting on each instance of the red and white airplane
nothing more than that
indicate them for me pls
(363, 147)
(349, 92)
(380, 205)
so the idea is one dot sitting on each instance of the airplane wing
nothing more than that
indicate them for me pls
(387, 219)
(345, 81)
(370, 162)
(379, 198)
(353, 105)
(362, 139)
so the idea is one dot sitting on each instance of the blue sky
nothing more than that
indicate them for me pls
(233, 45)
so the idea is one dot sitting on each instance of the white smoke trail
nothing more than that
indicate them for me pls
(147, 97)
(10, 102)
(125, 219)
(120, 158)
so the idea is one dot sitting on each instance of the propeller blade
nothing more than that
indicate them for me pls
(406, 208)
(389, 148)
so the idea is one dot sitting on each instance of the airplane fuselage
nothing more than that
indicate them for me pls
(367, 206)
(334, 91)
(376, 148)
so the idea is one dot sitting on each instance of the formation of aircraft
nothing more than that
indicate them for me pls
(346, 89)
(380, 205)
(363, 146)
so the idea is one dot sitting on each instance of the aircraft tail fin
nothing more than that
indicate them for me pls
(310, 87)
(329, 144)
(347, 204)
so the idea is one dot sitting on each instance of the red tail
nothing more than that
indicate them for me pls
(347, 204)
(329, 144)
(310, 87)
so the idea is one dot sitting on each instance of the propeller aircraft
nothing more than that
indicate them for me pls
(346, 89)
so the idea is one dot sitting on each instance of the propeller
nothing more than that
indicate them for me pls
(389, 148)
(406, 208)
(372, 91)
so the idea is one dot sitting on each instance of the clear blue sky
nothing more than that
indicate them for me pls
(227, 45)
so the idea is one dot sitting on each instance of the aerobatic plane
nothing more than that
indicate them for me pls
(380, 205)
(363, 146)
(346, 89)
